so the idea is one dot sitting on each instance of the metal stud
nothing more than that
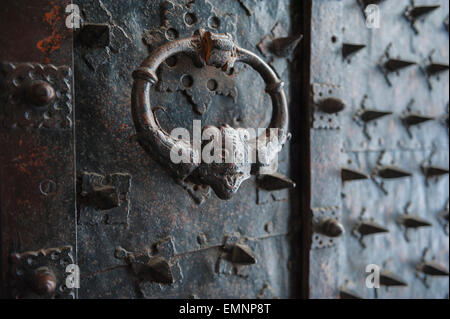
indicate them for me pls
(346, 293)
(284, 47)
(371, 228)
(242, 254)
(351, 175)
(434, 269)
(40, 93)
(389, 279)
(434, 171)
(366, 228)
(389, 65)
(427, 268)
(432, 69)
(436, 68)
(350, 48)
(331, 105)
(365, 115)
(393, 65)
(413, 13)
(155, 269)
(44, 281)
(331, 227)
(275, 181)
(391, 172)
(371, 115)
(409, 221)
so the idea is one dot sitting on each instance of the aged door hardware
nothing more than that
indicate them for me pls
(408, 221)
(389, 279)
(352, 175)
(427, 268)
(349, 49)
(367, 227)
(104, 198)
(331, 227)
(331, 105)
(413, 13)
(275, 181)
(42, 273)
(36, 96)
(327, 226)
(220, 51)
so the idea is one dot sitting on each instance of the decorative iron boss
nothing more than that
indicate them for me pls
(224, 177)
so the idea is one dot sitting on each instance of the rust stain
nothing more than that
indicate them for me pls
(52, 42)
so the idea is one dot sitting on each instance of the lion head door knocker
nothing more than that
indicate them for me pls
(224, 177)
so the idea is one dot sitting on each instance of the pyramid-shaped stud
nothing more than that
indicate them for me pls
(371, 115)
(389, 279)
(275, 181)
(432, 268)
(416, 119)
(350, 48)
(242, 254)
(434, 171)
(391, 172)
(285, 47)
(370, 228)
(411, 221)
(393, 65)
(436, 68)
(352, 175)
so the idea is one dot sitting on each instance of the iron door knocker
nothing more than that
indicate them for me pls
(220, 51)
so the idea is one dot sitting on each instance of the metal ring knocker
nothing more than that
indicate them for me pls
(220, 51)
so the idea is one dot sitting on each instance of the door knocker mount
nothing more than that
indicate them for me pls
(217, 50)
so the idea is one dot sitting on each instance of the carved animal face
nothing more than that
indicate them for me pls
(226, 177)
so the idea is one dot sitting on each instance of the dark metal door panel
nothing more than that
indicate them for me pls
(352, 149)
(37, 163)
(190, 230)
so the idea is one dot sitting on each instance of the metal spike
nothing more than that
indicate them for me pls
(433, 269)
(393, 65)
(350, 48)
(331, 105)
(275, 181)
(371, 115)
(350, 175)
(435, 68)
(389, 279)
(369, 228)
(416, 12)
(284, 47)
(415, 119)
(345, 293)
(390, 172)
(242, 254)
(434, 171)
(410, 221)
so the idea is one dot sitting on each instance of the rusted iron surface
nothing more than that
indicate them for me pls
(37, 162)
(203, 229)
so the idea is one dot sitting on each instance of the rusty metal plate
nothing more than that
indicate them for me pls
(203, 229)
(37, 163)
